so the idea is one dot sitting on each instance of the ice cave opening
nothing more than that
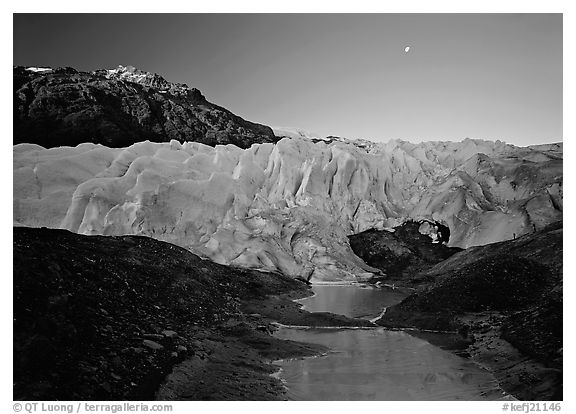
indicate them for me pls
(438, 232)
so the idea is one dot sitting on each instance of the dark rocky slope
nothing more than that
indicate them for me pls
(119, 107)
(400, 254)
(107, 318)
(499, 294)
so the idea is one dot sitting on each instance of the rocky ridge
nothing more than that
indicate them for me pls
(119, 107)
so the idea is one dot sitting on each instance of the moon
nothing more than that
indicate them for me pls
(407, 49)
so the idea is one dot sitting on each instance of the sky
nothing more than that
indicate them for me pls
(487, 76)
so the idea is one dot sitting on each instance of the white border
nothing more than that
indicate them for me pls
(420, 6)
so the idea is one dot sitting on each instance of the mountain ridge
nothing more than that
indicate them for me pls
(119, 107)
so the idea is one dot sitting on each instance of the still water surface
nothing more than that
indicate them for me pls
(354, 301)
(376, 364)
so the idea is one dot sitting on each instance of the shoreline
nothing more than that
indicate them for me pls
(251, 348)
(516, 374)
(519, 375)
(155, 322)
(450, 341)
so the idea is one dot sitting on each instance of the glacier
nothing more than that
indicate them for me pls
(289, 206)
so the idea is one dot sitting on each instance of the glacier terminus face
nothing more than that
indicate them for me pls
(289, 206)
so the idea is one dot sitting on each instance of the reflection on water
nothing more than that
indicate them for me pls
(376, 364)
(353, 301)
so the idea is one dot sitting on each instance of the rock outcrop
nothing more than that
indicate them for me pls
(119, 107)
(410, 249)
(289, 206)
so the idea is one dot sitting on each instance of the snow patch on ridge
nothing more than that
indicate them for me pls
(36, 69)
(290, 132)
